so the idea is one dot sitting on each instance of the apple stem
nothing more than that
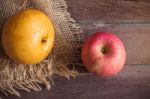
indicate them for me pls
(104, 50)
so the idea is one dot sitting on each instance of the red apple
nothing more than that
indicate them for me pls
(104, 54)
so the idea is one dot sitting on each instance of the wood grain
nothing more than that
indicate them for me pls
(134, 36)
(132, 83)
(128, 19)
(110, 10)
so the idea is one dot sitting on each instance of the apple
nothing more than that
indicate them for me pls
(28, 36)
(103, 54)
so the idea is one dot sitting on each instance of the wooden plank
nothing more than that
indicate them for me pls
(132, 83)
(109, 10)
(134, 36)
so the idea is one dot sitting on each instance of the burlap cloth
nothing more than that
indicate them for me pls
(66, 50)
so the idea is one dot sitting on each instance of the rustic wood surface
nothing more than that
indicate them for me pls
(136, 39)
(128, 19)
(110, 10)
(132, 83)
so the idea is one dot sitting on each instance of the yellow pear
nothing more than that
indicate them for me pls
(28, 36)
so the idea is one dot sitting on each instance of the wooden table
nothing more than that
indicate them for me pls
(128, 19)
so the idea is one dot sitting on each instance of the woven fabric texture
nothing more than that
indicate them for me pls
(66, 49)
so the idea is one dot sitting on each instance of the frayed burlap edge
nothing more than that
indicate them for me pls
(66, 52)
